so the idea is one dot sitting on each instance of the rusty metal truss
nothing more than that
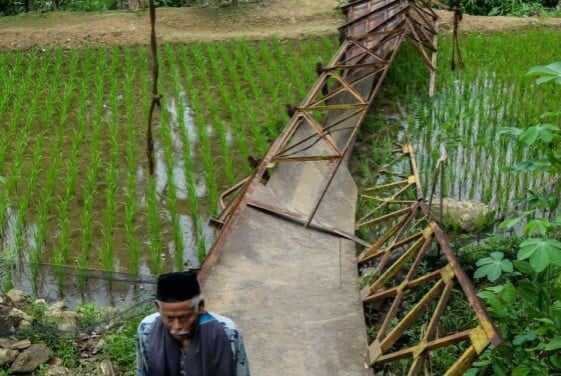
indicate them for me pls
(322, 130)
(338, 102)
(395, 256)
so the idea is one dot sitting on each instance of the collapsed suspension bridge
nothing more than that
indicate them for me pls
(284, 264)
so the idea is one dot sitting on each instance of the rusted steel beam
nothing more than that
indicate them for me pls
(351, 67)
(299, 218)
(241, 201)
(465, 283)
(370, 252)
(394, 290)
(331, 174)
(402, 10)
(432, 345)
(327, 130)
(311, 158)
(236, 187)
(383, 6)
(479, 336)
(391, 215)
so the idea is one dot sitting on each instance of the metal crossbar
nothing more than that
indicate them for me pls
(339, 102)
(396, 256)
(342, 96)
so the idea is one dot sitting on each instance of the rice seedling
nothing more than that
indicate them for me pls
(468, 113)
(154, 225)
(75, 120)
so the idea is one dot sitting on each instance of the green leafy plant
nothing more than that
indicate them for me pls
(527, 306)
(493, 267)
(541, 252)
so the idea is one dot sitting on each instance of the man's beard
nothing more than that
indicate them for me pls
(186, 334)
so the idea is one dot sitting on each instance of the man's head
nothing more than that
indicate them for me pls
(179, 302)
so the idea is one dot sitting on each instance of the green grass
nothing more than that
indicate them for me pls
(468, 111)
(74, 168)
(470, 107)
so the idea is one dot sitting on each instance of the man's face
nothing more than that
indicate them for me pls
(179, 318)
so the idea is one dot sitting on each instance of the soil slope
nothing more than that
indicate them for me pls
(280, 18)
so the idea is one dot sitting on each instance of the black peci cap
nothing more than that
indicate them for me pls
(177, 287)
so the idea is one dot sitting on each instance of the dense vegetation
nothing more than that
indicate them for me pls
(510, 8)
(10, 7)
(475, 7)
(502, 134)
(79, 195)
(75, 190)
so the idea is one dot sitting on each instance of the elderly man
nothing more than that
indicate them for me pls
(184, 339)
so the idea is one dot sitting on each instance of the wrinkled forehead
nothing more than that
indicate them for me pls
(183, 308)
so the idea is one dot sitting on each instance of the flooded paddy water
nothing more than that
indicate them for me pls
(467, 117)
(80, 217)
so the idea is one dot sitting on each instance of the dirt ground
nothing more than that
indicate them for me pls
(281, 18)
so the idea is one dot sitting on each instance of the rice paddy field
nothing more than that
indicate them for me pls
(75, 193)
(75, 190)
(466, 116)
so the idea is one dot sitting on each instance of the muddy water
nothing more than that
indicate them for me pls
(120, 285)
(464, 121)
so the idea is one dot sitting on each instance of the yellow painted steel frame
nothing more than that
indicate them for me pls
(398, 252)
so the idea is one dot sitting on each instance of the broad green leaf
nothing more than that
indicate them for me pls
(548, 115)
(544, 79)
(544, 69)
(527, 292)
(480, 272)
(492, 267)
(511, 131)
(555, 360)
(494, 272)
(508, 295)
(498, 369)
(510, 223)
(545, 320)
(497, 256)
(496, 289)
(537, 227)
(539, 261)
(526, 250)
(551, 72)
(494, 303)
(523, 267)
(506, 265)
(539, 70)
(484, 261)
(523, 338)
(530, 135)
(541, 252)
(520, 371)
(554, 344)
(541, 132)
(531, 166)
